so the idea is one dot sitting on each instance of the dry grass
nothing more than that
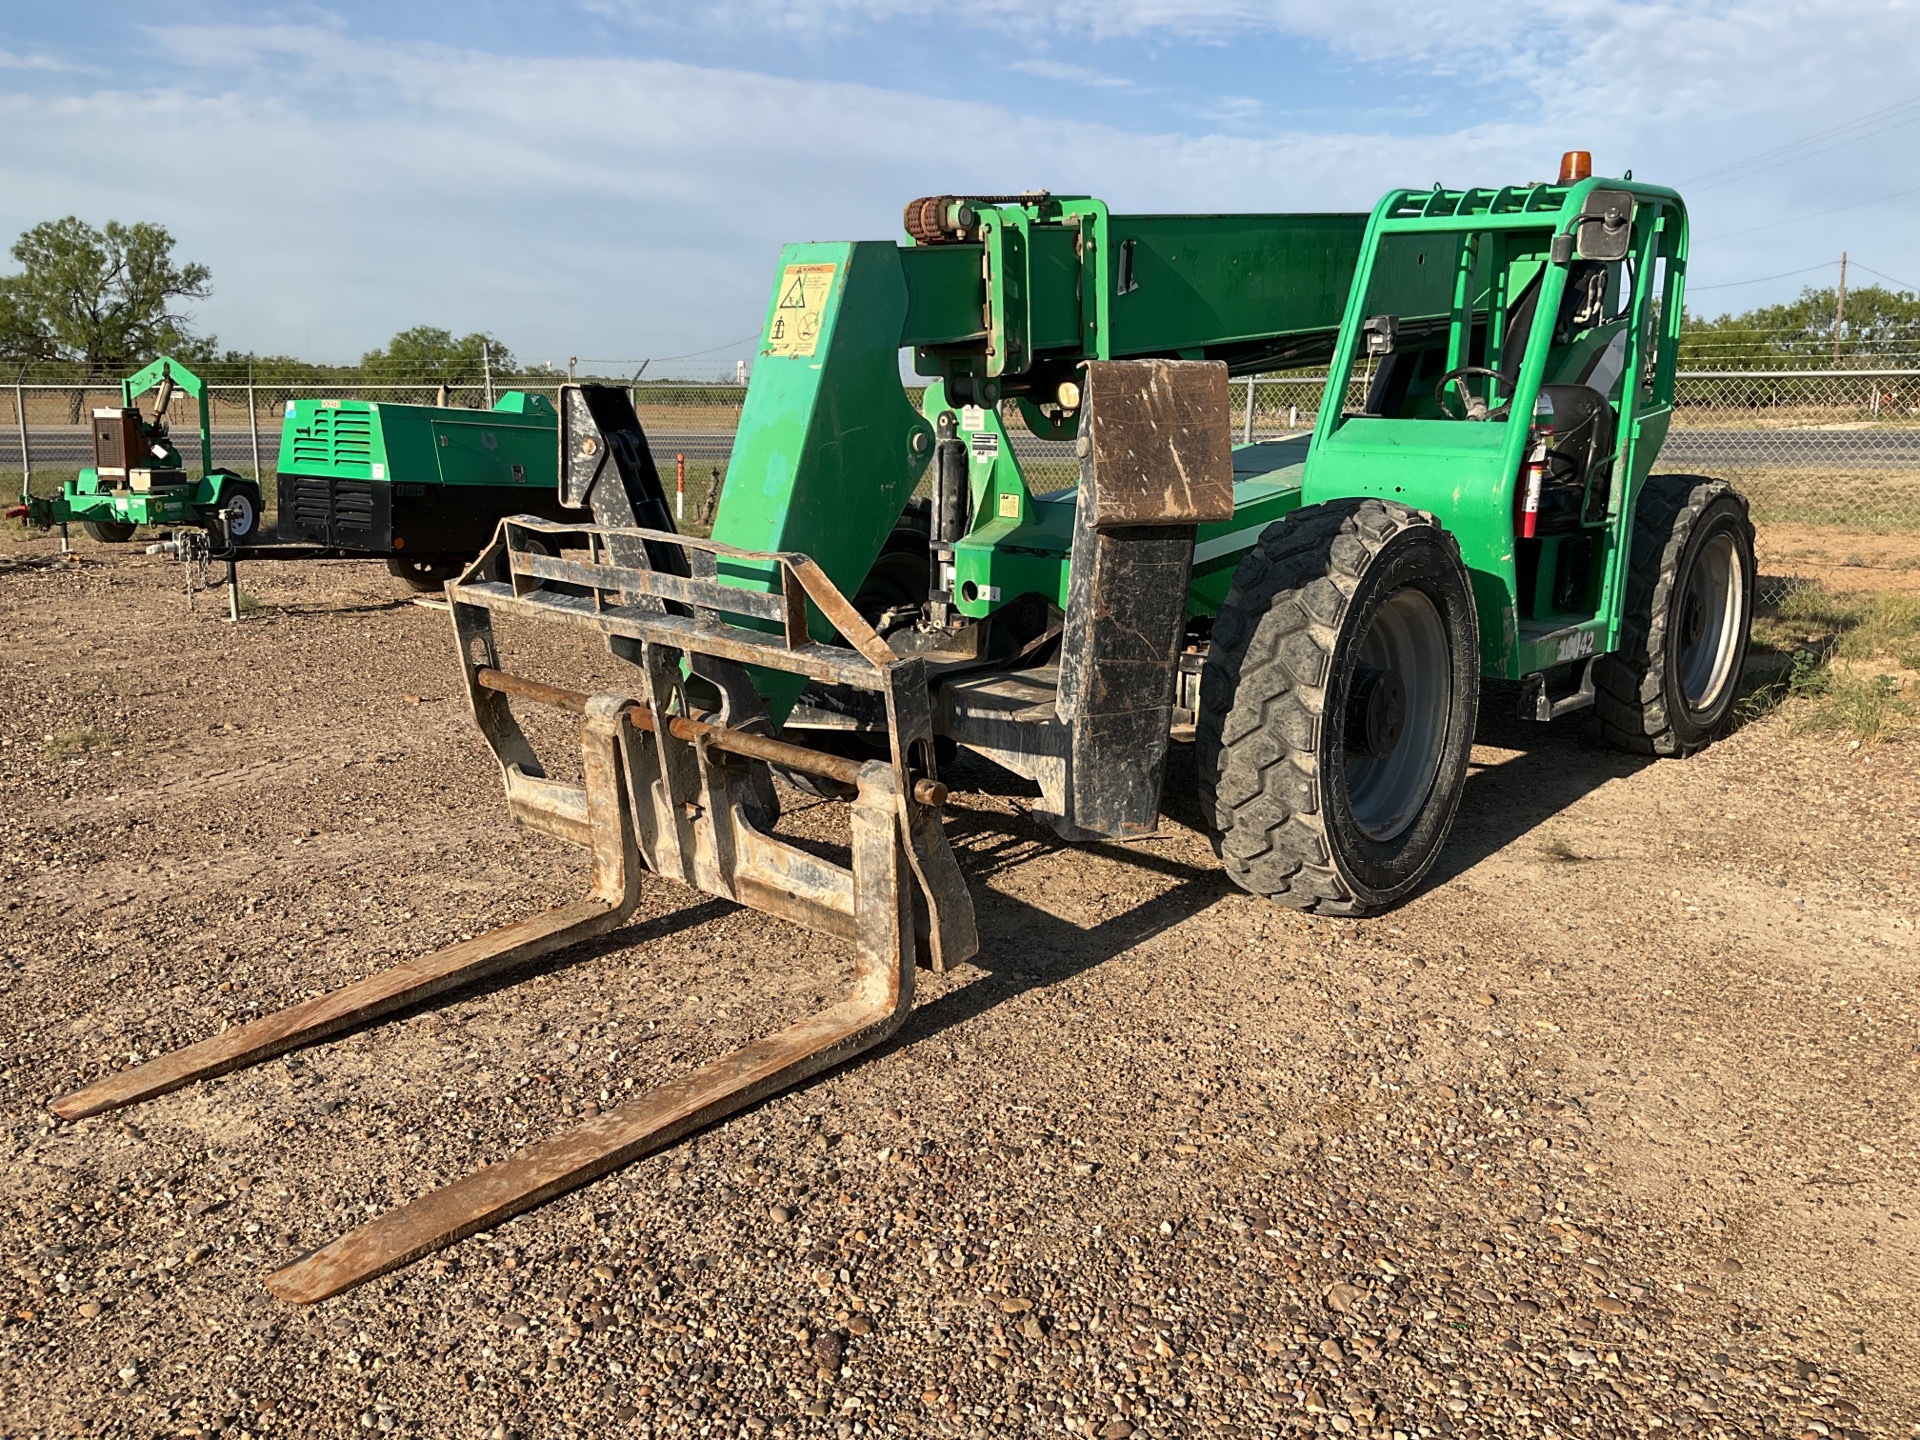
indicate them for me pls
(1854, 666)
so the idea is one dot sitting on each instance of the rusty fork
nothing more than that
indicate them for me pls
(675, 793)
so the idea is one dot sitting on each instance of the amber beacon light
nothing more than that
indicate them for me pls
(1575, 166)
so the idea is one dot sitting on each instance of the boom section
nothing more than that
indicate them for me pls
(996, 303)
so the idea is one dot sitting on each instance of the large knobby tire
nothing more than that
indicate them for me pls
(901, 574)
(109, 532)
(421, 574)
(1337, 707)
(1669, 689)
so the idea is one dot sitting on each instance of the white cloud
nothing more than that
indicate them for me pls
(1068, 74)
(343, 186)
(13, 60)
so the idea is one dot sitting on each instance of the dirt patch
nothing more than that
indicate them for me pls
(1611, 1129)
(1842, 559)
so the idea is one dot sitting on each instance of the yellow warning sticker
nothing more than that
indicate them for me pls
(800, 310)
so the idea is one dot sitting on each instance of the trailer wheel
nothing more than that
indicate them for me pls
(1669, 689)
(421, 574)
(1337, 707)
(242, 509)
(109, 532)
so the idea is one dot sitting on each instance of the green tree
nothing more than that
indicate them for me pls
(1882, 327)
(427, 355)
(99, 301)
(280, 378)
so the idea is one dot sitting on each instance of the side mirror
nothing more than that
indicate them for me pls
(1606, 225)
(1380, 332)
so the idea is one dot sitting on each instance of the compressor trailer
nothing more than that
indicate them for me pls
(1476, 501)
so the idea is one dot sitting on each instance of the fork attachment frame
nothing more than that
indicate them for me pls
(664, 790)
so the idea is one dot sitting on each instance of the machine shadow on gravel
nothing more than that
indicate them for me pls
(1557, 766)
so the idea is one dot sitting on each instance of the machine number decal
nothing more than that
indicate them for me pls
(800, 310)
(1575, 645)
(986, 445)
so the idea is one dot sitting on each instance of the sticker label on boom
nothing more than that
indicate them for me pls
(986, 445)
(800, 310)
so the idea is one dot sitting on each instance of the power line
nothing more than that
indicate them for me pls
(1904, 112)
(1730, 284)
(690, 355)
(1878, 200)
(1884, 276)
(1804, 140)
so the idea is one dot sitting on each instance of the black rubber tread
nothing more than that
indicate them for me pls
(910, 537)
(109, 532)
(1263, 695)
(425, 576)
(1636, 712)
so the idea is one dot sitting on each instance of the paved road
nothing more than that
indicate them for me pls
(1888, 448)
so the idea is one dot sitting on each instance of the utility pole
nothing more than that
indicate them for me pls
(486, 371)
(1840, 310)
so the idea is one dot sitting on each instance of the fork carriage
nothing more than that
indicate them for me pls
(667, 791)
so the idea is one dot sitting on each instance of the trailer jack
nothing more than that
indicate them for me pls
(663, 790)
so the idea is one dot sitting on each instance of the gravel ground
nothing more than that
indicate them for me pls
(1609, 1132)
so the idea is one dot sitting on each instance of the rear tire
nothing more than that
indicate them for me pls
(901, 575)
(109, 532)
(425, 576)
(1337, 707)
(1669, 689)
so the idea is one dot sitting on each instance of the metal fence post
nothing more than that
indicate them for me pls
(486, 370)
(1246, 425)
(253, 430)
(20, 415)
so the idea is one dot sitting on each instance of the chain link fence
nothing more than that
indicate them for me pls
(1813, 447)
(1828, 448)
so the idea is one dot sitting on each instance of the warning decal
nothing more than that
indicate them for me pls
(800, 310)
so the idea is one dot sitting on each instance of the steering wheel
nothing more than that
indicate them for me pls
(1475, 407)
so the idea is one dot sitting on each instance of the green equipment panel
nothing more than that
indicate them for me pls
(418, 480)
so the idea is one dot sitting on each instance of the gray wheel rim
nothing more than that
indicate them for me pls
(1710, 622)
(1385, 793)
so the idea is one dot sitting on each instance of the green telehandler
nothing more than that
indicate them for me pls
(138, 476)
(1476, 501)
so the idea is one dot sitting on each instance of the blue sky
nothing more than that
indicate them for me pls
(613, 178)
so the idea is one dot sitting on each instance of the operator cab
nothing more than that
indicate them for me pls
(1532, 302)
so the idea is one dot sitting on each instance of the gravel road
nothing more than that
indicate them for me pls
(1611, 1131)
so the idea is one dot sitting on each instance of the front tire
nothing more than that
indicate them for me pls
(422, 575)
(1669, 689)
(1337, 707)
